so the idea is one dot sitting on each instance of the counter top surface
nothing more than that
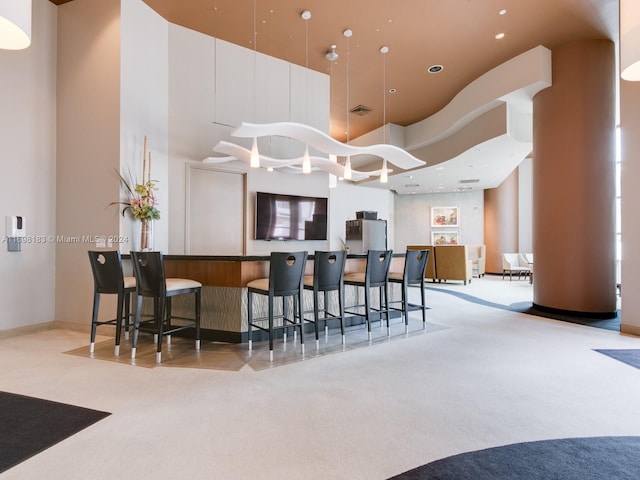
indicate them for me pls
(240, 258)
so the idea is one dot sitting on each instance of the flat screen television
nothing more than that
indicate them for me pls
(290, 217)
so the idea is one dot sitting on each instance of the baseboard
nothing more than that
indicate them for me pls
(81, 327)
(575, 313)
(27, 330)
(630, 329)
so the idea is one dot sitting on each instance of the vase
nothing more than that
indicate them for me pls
(146, 235)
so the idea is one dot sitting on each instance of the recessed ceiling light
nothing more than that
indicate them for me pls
(392, 90)
(499, 36)
(435, 68)
(502, 12)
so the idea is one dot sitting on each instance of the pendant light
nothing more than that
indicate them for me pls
(331, 57)
(347, 169)
(306, 161)
(384, 176)
(255, 155)
(347, 164)
(306, 15)
(15, 24)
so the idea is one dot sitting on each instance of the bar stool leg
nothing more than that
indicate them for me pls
(160, 317)
(136, 326)
(316, 318)
(250, 319)
(94, 322)
(424, 308)
(341, 310)
(271, 329)
(197, 295)
(127, 314)
(284, 315)
(367, 302)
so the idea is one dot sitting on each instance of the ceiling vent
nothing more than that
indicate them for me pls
(412, 185)
(360, 110)
(469, 180)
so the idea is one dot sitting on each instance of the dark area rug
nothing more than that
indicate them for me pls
(629, 356)
(30, 425)
(603, 458)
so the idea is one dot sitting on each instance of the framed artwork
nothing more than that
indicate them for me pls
(444, 237)
(445, 217)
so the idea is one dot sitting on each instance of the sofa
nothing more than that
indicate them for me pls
(477, 255)
(515, 263)
(447, 262)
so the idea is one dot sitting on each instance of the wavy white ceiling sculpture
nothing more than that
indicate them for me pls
(293, 165)
(513, 83)
(317, 140)
(323, 142)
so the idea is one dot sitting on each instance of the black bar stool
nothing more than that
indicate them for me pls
(415, 265)
(151, 282)
(328, 271)
(376, 276)
(108, 279)
(286, 271)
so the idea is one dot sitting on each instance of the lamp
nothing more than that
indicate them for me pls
(15, 24)
(384, 176)
(306, 161)
(312, 138)
(255, 156)
(347, 163)
(306, 15)
(630, 40)
(347, 169)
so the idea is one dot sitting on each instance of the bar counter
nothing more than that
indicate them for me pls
(224, 293)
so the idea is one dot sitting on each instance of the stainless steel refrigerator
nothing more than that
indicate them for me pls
(364, 235)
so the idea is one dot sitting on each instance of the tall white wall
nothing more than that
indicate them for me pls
(144, 107)
(346, 200)
(27, 184)
(413, 217)
(215, 86)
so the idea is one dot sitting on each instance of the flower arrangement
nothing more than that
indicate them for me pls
(142, 200)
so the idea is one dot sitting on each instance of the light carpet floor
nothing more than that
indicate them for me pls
(483, 377)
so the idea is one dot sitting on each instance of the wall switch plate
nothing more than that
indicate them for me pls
(13, 244)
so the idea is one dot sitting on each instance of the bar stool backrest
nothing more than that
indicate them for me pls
(148, 268)
(286, 271)
(328, 269)
(415, 265)
(107, 271)
(377, 270)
